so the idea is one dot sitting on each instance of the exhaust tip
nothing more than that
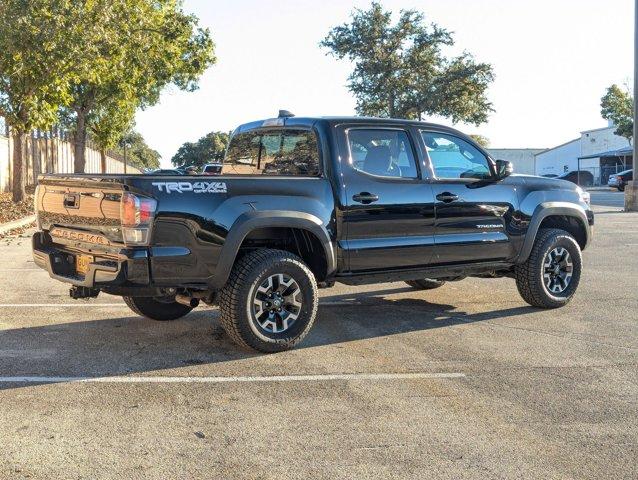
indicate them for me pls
(186, 300)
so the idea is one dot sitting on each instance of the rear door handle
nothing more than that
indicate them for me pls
(447, 197)
(365, 197)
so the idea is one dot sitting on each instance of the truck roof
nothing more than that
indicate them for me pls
(336, 120)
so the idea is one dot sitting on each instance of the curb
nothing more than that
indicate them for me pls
(22, 222)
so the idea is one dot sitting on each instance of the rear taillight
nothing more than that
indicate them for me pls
(620, 178)
(136, 215)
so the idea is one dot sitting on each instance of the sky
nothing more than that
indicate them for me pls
(553, 60)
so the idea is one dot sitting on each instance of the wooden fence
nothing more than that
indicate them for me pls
(52, 152)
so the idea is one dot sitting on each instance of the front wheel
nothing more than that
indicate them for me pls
(550, 276)
(269, 302)
(162, 309)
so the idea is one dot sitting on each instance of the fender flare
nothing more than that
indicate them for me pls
(545, 210)
(249, 221)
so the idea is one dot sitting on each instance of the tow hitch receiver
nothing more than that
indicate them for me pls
(83, 292)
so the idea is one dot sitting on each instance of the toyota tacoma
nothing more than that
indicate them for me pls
(302, 203)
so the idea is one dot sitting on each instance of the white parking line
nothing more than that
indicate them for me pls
(60, 305)
(65, 305)
(22, 270)
(256, 379)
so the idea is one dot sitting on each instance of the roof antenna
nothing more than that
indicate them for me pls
(285, 114)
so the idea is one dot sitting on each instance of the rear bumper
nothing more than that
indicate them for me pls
(126, 267)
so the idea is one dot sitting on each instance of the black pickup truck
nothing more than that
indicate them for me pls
(302, 203)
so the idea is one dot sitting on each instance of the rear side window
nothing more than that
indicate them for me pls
(274, 152)
(382, 152)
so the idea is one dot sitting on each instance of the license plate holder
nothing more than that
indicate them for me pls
(82, 263)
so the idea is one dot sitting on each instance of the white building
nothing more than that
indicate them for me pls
(560, 159)
(521, 158)
(598, 151)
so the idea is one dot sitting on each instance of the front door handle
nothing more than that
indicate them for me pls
(365, 197)
(447, 197)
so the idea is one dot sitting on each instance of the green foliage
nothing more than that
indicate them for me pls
(617, 105)
(34, 71)
(400, 70)
(135, 48)
(37, 41)
(109, 122)
(137, 152)
(481, 140)
(207, 149)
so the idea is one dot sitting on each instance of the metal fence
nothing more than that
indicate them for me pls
(51, 151)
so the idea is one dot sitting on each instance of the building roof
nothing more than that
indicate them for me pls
(621, 152)
(519, 149)
(600, 129)
(559, 146)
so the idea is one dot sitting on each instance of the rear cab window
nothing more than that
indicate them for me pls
(382, 152)
(273, 152)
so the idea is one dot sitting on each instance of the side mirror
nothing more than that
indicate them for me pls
(503, 168)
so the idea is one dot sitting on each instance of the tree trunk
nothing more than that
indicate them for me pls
(391, 106)
(102, 160)
(19, 174)
(79, 141)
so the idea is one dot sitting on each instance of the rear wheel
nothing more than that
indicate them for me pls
(157, 308)
(269, 302)
(425, 283)
(621, 188)
(550, 276)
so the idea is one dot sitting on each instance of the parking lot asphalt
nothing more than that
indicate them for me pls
(466, 381)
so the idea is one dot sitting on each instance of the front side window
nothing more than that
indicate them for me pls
(453, 157)
(384, 153)
(273, 152)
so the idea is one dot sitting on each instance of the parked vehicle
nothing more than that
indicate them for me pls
(188, 170)
(582, 177)
(212, 169)
(311, 202)
(620, 180)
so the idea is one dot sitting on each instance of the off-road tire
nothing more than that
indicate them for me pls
(425, 283)
(236, 297)
(529, 275)
(162, 311)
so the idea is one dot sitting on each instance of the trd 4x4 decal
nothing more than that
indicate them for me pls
(196, 187)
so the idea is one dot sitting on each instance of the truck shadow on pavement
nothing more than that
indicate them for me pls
(134, 345)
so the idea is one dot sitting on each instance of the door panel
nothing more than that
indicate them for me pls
(473, 210)
(475, 226)
(397, 231)
(389, 211)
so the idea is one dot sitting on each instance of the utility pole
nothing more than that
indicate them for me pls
(631, 191)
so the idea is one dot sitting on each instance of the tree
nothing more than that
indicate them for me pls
(108, 122)
(138, 154)
(617, 105)
(141, 46)
(481, 140)
(209, 148)
(35, 48)
(400, 70)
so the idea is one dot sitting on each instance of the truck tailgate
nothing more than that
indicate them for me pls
(67, 205)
